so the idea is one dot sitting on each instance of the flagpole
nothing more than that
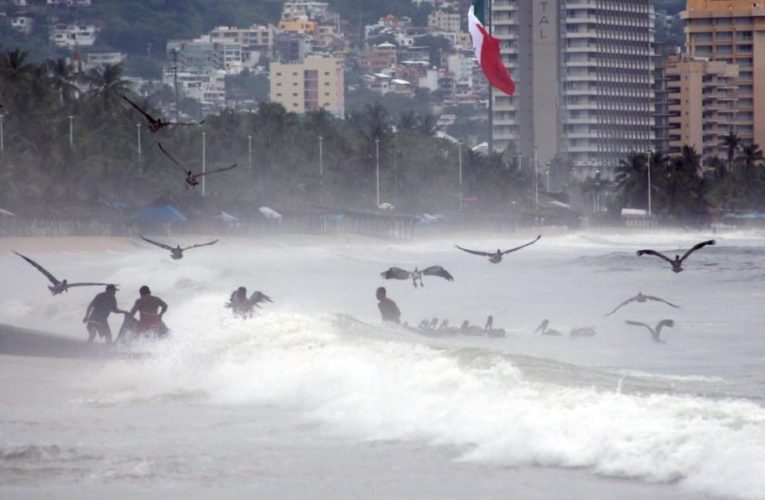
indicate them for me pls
(491, 90)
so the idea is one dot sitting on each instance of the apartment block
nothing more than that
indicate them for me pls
(733, 32)
(584, 74)
(702, 104)
(312, 84)
(441, 20)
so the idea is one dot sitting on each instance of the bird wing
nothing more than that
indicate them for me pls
(475, 252)
(69, 285)
(40, 268)
(638, 323)
(141, 110)
(185, 124)
(438, 271)
(258, 297)
(217, 170)
(201, 245)
(659, 299)
(654, 252)
(697, 247)
(664, 323)
(522, 246)
(161, 245)
(171, 158)
(395, 273)
(631, 299)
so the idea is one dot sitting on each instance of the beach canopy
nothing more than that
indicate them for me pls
(160, 213)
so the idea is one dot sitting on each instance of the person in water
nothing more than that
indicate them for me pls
(388, 308)
(152, 309)
(240, 304)
(97, 314)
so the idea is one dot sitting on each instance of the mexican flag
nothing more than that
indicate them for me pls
(486, 49)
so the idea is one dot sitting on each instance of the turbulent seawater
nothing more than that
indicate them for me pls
(688, 413)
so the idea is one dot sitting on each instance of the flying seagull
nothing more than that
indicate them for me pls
(396, 273)
(654, 332)
(496, 257)
(57, 286)
(640, 298)
(156, 124)
(677, 263)
(177, 251)
(192, 179)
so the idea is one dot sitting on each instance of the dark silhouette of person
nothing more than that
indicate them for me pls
(152, 309)
(388, 308)
(97, 314)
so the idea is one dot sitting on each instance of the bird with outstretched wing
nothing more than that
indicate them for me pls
(655, 332)
(496, 257)
(192, 178)
(176, 252)
(258, 297)
(156, 124)
(640, 298)
(57, 286)
(677, 262)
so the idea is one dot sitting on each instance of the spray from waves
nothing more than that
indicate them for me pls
(375, 389)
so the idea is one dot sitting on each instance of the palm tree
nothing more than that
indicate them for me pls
(632, 179)
(731, 142)
(747, 178)
(106, 86)
(62, 77)
(16, 74)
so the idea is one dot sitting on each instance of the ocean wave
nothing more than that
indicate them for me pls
(371, 384)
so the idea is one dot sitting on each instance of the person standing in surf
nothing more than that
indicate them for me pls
(97, 314)
(152, 309)
(388, 308)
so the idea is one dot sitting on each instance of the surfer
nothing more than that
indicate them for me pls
(97, 314)
(388, 309)
(152, 309)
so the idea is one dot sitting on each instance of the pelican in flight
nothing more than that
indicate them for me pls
(396, 273)
(156, 124)
(655, 332)
(640, 298)
(192, 178)
(677, 263)
(177, 251)
(56, 286)
(496, 257)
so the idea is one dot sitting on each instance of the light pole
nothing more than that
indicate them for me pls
(140, 151)
(547, 180)
(536, 183)
(2, 133)
(377, 170)
(321, 158)
(460, 173)
(249, 151)
(648, 170)
(204, 162)
(71, 131)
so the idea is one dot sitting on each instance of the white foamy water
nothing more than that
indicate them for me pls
(687, 414)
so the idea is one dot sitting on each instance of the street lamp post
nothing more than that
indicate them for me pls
(648, 169)
(204, 162)
(249, 151)
(321, 158)
(71, 131)
(460, 173)
(536, 182)
(140, 151)
(2, 133)
(377, 170)
(547, 180)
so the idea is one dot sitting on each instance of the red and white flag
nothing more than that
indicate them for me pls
(486, 49)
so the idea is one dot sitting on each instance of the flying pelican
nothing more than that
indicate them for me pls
(677, 263)
(640, 298)
(57, 286)
(396, 273)
(156, 124)
(177, 251)
(654, 332)
(542, 328)
(496, 257)
(192, 179)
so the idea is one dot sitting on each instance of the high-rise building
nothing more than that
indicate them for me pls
(584, 73)
(701, 99)
(314, 83)
(733, 31)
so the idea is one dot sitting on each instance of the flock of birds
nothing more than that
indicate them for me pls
(58, 286)
(416, 275)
